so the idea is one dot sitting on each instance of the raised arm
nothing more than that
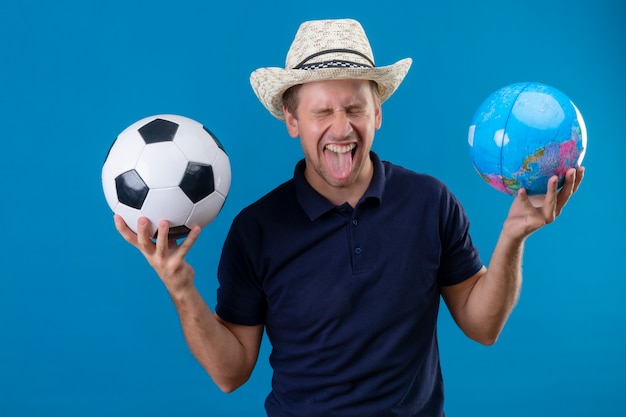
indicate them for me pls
(482, 304)
(227, 352)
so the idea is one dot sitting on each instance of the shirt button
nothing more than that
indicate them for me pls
(355, 222)
(357, 251)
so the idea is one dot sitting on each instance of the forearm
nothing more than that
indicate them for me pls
(482, 304)
(215, 347)
(227, 352)
(494, 295)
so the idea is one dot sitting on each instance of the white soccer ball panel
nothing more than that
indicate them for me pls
(108, 186)
(169, 204)
(124, 152)
(130, 216)
(196, 143)
(206, 210)
(221, 173)
(161, 165)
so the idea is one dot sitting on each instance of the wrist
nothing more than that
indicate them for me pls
(180, 288)
(512, 238)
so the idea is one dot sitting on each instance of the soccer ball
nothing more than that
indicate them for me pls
(166, 167)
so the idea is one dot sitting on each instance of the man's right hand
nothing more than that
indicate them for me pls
(167, 257)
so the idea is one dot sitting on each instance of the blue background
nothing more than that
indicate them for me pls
(86, 327)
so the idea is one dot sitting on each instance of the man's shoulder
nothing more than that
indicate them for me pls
(275, 201)
(278, 196)
(399, 176)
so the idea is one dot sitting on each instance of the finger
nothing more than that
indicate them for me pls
(188, 242)
(162, 240)
(580, 174)
(522, 196)
(551, 201)
(143, 235)
(124, 230)
(567, 190)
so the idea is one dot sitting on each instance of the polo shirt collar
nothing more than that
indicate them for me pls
(314, 204)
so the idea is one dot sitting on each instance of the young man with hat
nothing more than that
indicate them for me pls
(344, 265)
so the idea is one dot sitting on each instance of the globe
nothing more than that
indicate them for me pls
(525, 133)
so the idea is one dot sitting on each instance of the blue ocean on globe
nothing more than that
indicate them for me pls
(525, 133)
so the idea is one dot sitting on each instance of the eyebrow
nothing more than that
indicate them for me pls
(349, 107)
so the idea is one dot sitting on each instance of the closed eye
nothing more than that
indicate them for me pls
(355, 110)
(322, 112)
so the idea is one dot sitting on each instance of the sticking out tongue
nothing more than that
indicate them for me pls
(339, 162)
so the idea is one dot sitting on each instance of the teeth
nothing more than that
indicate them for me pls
(340, 148)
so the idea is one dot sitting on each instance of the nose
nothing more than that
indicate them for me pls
(340, 126)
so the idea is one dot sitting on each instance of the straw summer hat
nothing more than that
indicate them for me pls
(326, 50)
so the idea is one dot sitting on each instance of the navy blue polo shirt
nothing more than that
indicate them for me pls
(349, 297)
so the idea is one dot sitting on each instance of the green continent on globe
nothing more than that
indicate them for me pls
(500, 183)
(555, 158)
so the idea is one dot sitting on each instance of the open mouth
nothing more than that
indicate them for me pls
(341, 149)
(339, 159)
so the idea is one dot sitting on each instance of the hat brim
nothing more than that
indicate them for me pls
(269, 84)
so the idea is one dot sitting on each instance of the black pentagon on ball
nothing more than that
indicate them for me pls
(131, 190)
(158, 130)
(176, 232)
(198, 181)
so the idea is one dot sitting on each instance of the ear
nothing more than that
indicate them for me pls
(292, 123)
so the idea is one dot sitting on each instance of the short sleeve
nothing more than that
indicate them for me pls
(240, 296)
(460, 259)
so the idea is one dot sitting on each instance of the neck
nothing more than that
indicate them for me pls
(350, 193)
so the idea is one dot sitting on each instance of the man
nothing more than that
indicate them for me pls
(344, 265)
